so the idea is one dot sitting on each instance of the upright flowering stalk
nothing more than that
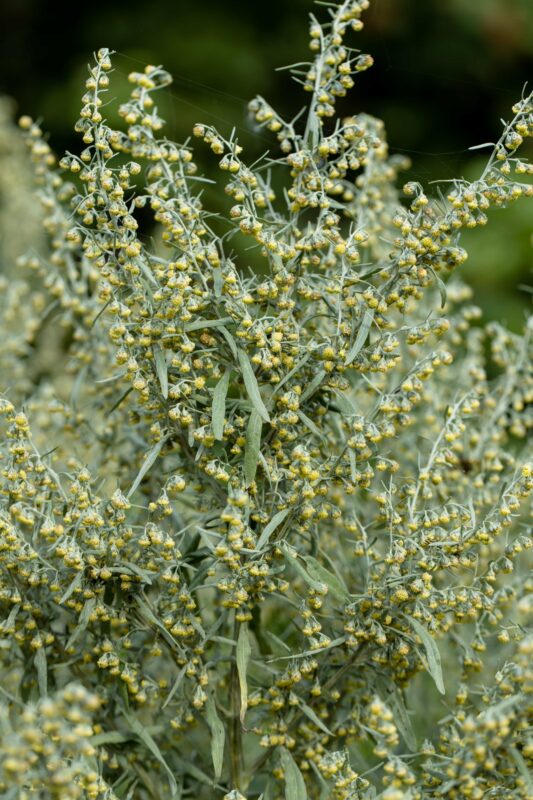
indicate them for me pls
(246, 514)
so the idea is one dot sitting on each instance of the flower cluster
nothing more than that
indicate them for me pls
(260, 508)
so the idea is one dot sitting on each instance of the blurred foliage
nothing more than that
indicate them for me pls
(445, 72)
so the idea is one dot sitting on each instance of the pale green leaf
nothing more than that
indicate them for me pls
(434, 666)
(142, 734)
(315, 383)
(292, 558)
(269, 529)
(310, 424)
(75, 583)
(252, 446)
(83, 621)
(229, 338)
(335, 585)
(362, 333)
(523, 769)
(161, 369)
(147, 463)
(310, 714)
(200, 324)
(402, 719)
(252, 387)
(175, 687)
(242, 657)
(217, 735)
(294, 782)
(219, 405)
(42, 671)
(291, 372)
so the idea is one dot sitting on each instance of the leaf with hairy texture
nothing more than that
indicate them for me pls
(242, 656)
(252, 447)
(252, 387)
(218, 410)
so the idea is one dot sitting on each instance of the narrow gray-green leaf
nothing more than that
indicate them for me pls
(402, 719)
(310, 424)
(291, 372)
(200, 324)
(292, 558)
(229, 338)
(310, 714)
(335, 585)
(294, 782)
(441, 287)
(175, 687)
(252, 446)
(269, 529)
(219, 405)
(161, 369)
(83, 621)
(315, 383)
(345, 405)
(42, 671)
(252, 387)
(523, 769)
(335, 643)
(217, 735)
(142, 733)
(362, 333)
(75, 583)
(147, 463)
(242, 657)
(432, 653)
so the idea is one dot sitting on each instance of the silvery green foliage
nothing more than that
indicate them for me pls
(249, 520)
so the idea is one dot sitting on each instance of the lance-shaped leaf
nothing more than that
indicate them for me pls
(294, 782)
(141, 732)
(252, 446)
(269, 529)
(434, 666)
(217, 735)
(147, 463)
(218, 411)
(362, 333)
(252, 387)
(161, 369)
(42, 671)
(242, 656)
(335, 585)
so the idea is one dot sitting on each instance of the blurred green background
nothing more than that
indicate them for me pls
(446, 72)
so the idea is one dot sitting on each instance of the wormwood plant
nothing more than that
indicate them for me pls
(244, 513)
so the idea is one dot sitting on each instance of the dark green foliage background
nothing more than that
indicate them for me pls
(445, 72)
